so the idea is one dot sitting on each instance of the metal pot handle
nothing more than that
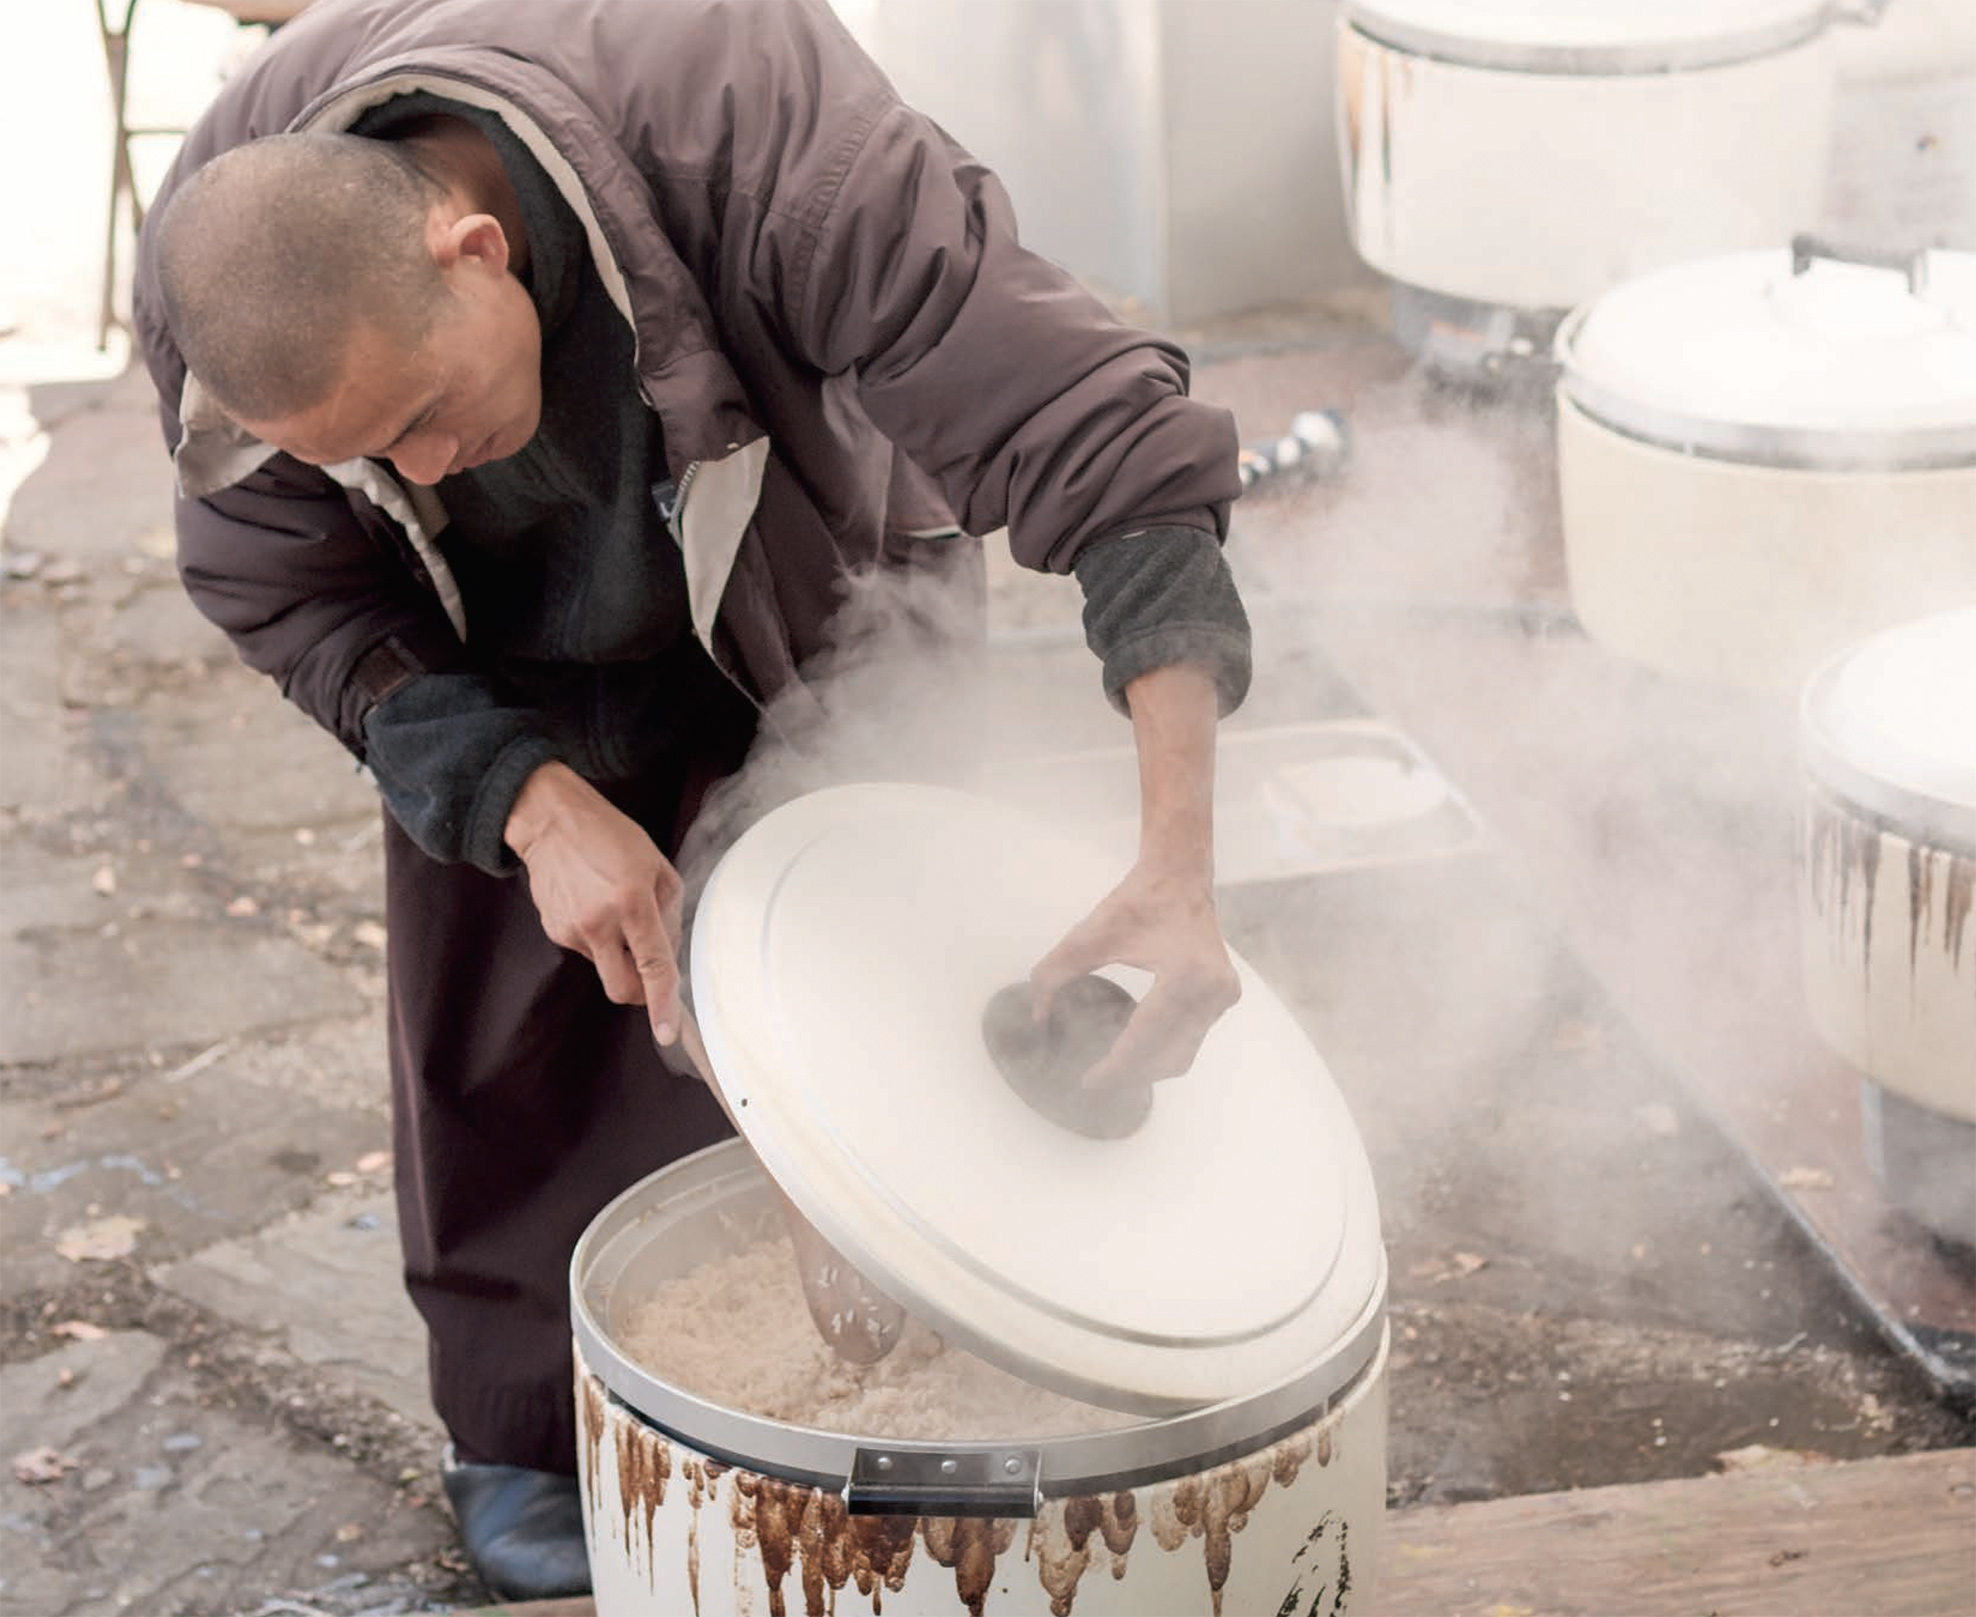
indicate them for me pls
(1805, 250)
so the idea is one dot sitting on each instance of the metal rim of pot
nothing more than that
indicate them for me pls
(1851, 746)
(1579, 41)
(1646, 396)
(1145, 1451)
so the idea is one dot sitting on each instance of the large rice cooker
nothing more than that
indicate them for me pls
(1525, 155)
(1887, 900)
(1764, 457)
(1217, 1273)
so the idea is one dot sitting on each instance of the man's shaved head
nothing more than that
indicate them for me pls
(274, 253)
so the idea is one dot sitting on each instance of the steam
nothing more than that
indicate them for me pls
(904, 694)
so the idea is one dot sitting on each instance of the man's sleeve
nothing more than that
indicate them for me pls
(341, 622)
(1027, 401)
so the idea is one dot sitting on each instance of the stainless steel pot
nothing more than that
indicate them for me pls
(1764, 457)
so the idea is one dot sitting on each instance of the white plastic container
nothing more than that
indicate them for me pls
(1887, 900)
(1217, 1274)
(1765, 457)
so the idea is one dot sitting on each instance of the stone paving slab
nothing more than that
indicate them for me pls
(42, 772)
(198, 742)
(159, 624)
(168, 1504)
(210, 1158)
(157, 985)
(327, 1285)
(97, 491)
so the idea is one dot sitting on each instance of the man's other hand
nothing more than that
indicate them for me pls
(1161, 921)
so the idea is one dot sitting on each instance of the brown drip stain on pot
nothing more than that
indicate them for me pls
(969, 1546)
(592, 1393)
(1215, 1505)
(1065, 1538)
(644, 1467)
(802, 1529)
(1843, 854)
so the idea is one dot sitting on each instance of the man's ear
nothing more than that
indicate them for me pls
(476, 238)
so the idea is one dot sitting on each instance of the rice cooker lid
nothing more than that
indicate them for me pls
(1889, 725)
(1799, 357)
(843, 952)
(1576, 37)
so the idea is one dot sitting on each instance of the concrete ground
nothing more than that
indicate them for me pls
(211, 1391)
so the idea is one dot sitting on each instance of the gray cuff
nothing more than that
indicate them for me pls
(485, 843)
(1161, 596)
(450, 761)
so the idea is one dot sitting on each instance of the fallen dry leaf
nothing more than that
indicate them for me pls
(1805, 1179)
(1762, 1457)
(243, 905)
(100, 1239)
(79, 1330)
(373, 1161)
(1571, 1037)
(369, 934)
(43, 1465)
(105, 880)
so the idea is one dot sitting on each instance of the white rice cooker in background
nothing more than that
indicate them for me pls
(1887, 900)
(1507, 160)
(1765, 456)
(1217, 1272)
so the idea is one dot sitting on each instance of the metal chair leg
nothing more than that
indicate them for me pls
(123, 179)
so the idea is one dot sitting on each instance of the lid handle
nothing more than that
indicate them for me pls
(1807, 250)
(1045, 1062)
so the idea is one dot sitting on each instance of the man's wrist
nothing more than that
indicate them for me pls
(542, 800)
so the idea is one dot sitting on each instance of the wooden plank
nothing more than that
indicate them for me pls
(1868, 1538)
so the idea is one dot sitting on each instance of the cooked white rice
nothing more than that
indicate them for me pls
(736, 1332)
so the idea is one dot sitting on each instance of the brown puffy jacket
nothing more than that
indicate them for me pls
(817, 279)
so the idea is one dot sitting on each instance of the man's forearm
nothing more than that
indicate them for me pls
(1174, 712)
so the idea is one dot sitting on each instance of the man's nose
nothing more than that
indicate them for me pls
(426, 458)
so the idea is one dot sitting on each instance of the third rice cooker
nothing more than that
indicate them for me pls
(1887, 900)
(1532, 153)
(1201, 1272)
(1764, 457)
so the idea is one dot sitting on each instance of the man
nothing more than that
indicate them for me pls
(535, 375)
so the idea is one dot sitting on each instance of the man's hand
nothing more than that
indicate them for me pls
(1161, 917)
(603, 889)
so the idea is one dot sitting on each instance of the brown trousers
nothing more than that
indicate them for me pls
(523, 1100)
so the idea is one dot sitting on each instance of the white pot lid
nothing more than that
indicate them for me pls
(1787, 357)
(843, 953)
(1591, 36)
(1890, 725)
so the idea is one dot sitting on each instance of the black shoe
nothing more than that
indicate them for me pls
(523, 1529)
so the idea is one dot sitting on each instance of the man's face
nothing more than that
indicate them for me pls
(468, 393)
